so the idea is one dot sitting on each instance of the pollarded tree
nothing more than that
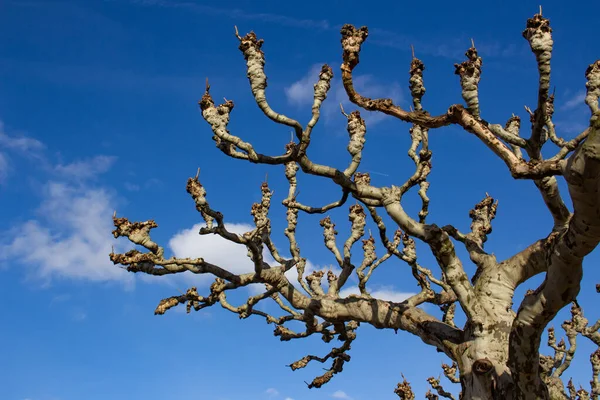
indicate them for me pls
(496, 354)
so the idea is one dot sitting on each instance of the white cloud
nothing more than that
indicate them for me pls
(15, 143)
(132, 187)
(214, 249)
(309, 268)
(272, 392)
(300, 94)
(79, 315)
(391, 295)
(570, 126)
(238, 14)
(228, 255)
(71, 238)
(19, 143)
(341, 395)
(3, 167)
(85, 169)
(452, 46)
(29, 147)
(61, 298)
(576, 100)
(70, 233)
(288, 398)
(382, 293)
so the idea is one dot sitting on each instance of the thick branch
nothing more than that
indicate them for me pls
(352, 40)
(564, 264)
(539, 35)
(437, 386)
(470, 73)
(444, 252)
(250, 46)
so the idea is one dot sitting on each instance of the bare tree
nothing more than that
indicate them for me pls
(496, 354)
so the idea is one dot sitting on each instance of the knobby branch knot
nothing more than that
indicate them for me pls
(483, 366)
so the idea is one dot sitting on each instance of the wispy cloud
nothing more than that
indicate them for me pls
(151, 183)
(106, 78)
(132, 187)
(17, 144)
(500, 50)
(238, 14)
(29, 147)
(86, 168)
(450, 49)
(69, 235)
(273, 393)
(578, 99)
(300, 94)
(382, 293)
(79, 315)
(453, 47)
(570, 126)
(69, 238)
(3, 167)
(60, 298)
(442, 46)
(339, 394)
(573, 116)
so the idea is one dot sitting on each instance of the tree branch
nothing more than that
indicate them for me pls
(568, 249)
(470, 74)
(539, 35)
(404, 390)
(250, 46)
(436, 385)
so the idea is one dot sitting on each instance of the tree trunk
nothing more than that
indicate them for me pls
(484, 374)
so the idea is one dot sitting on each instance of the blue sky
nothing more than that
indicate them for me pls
(98, 111)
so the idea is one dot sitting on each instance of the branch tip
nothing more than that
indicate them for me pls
(343, 112)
